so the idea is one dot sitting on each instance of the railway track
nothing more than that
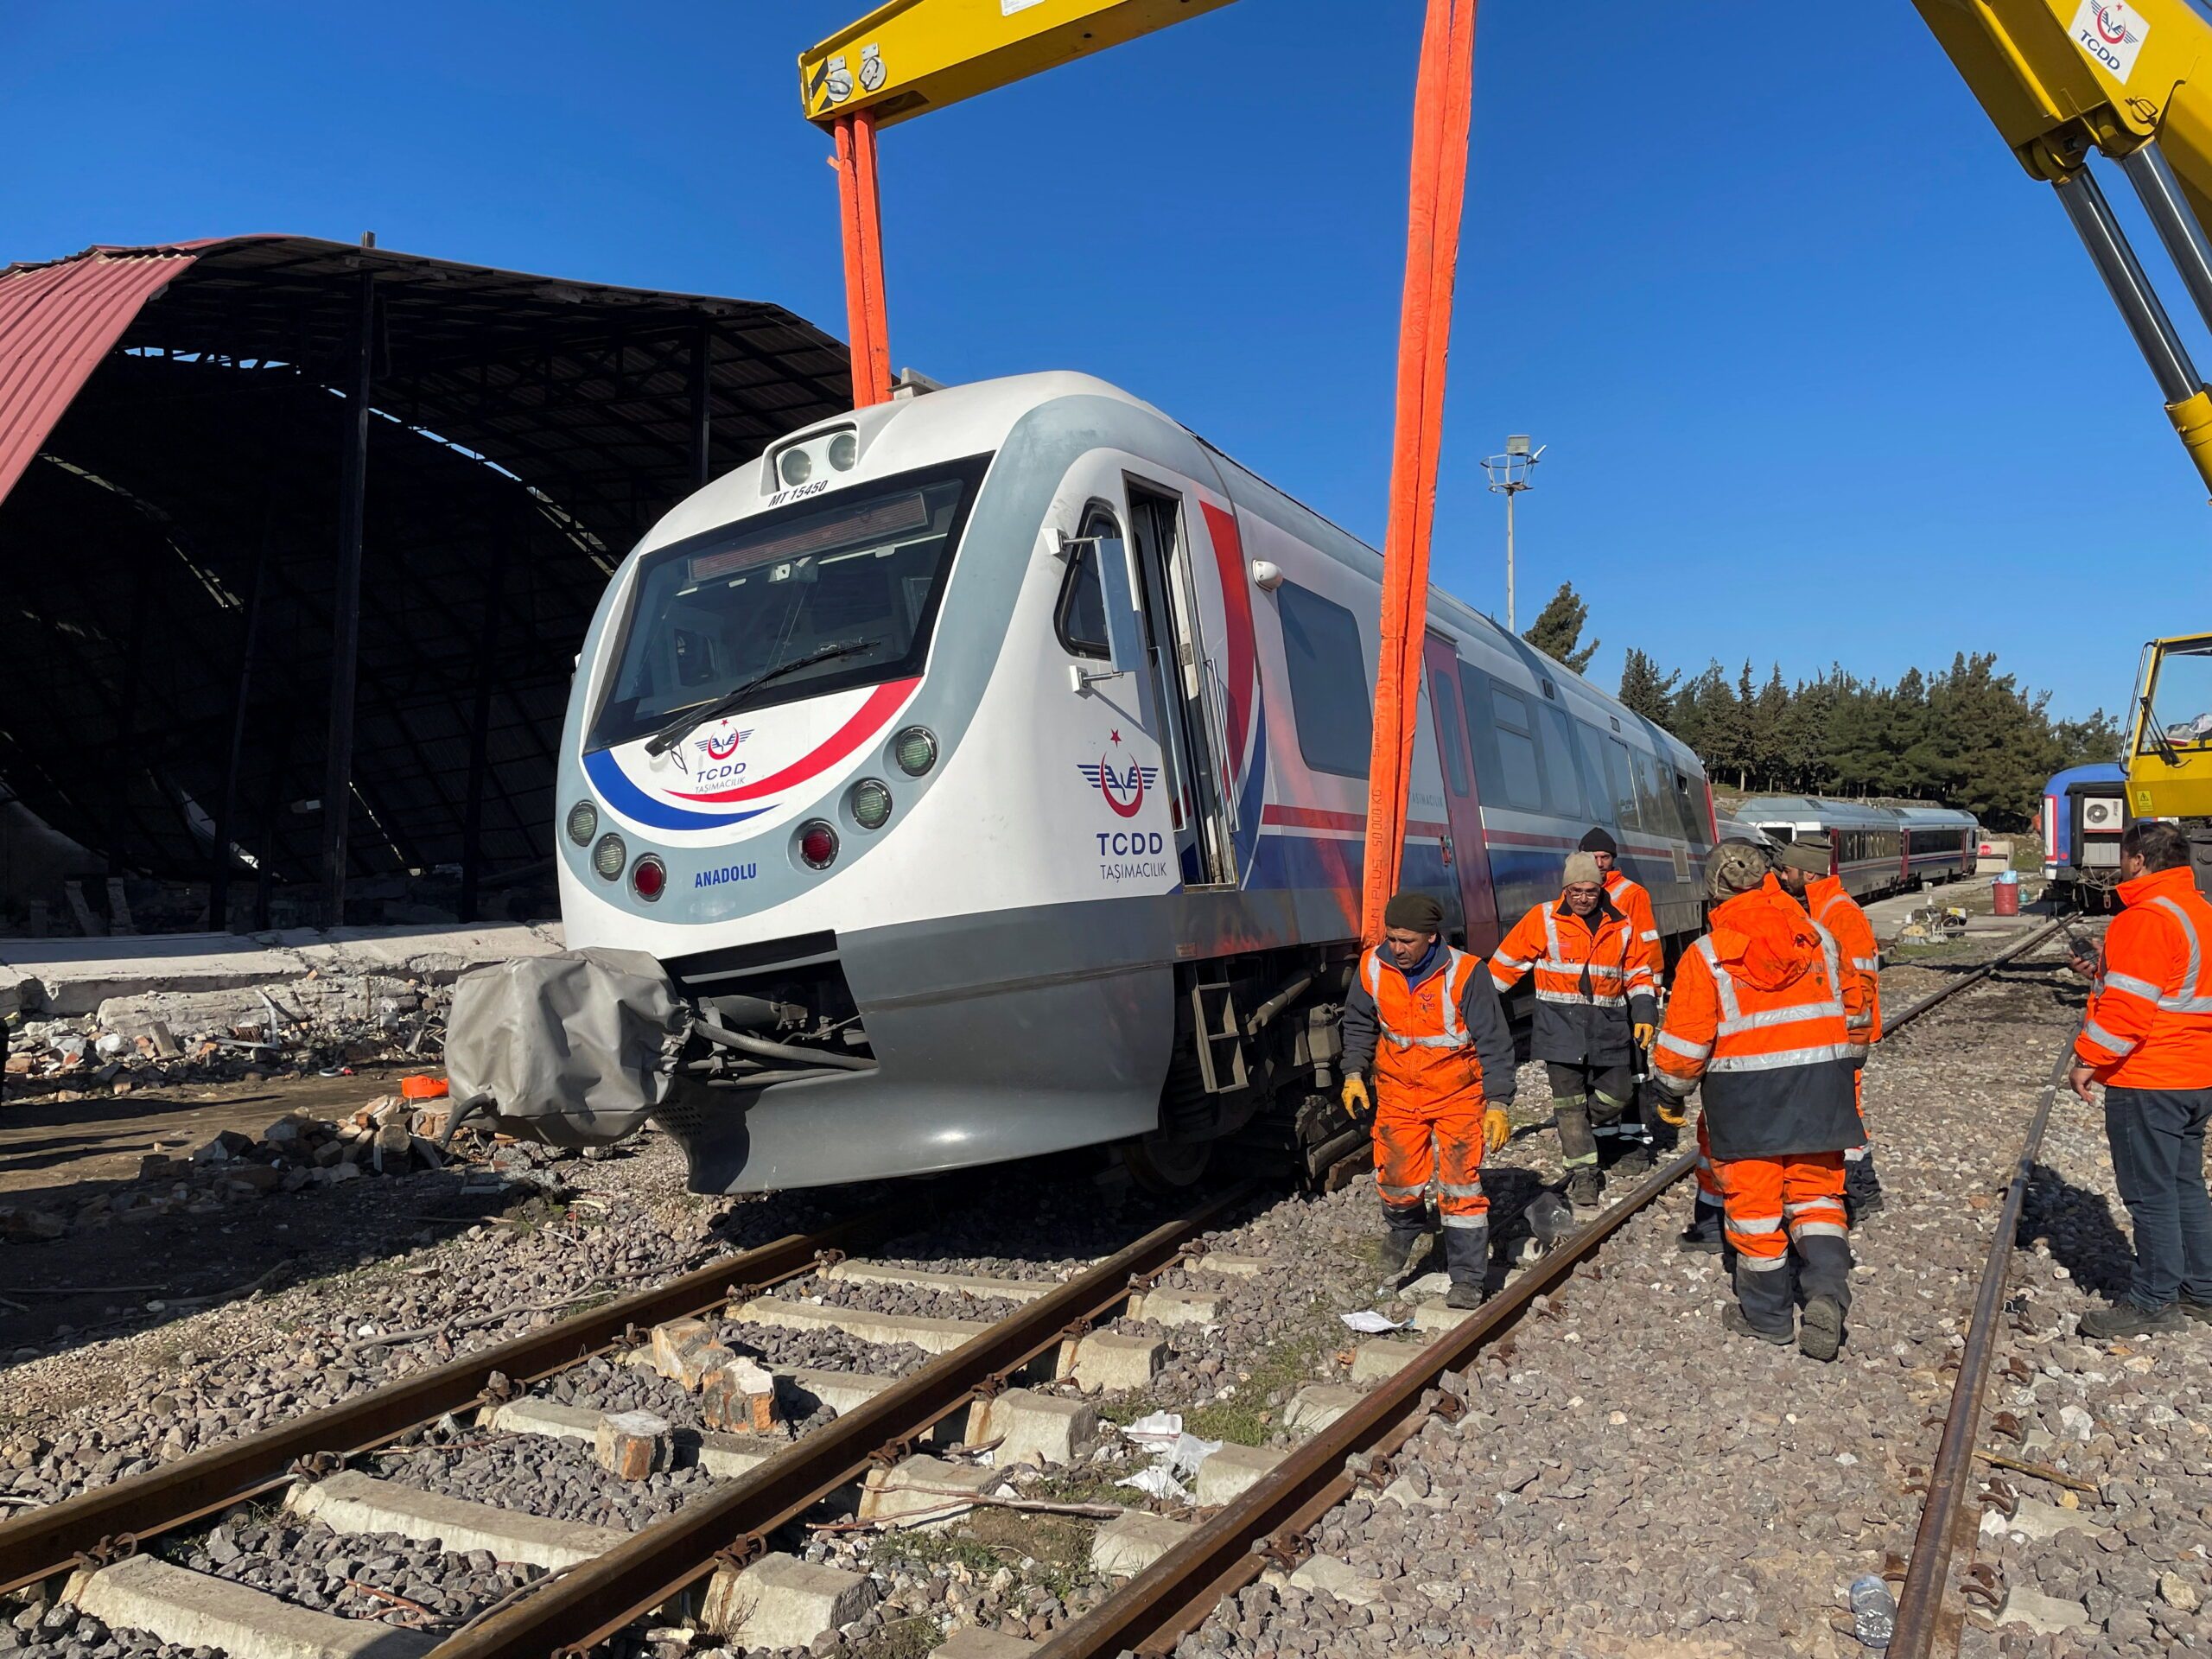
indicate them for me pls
(730, 1526)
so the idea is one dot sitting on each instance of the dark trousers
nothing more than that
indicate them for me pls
(2157, 1162)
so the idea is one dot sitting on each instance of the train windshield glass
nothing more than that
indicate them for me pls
(865, 567)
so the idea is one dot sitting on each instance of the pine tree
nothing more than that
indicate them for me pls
(1558, 628)
(1643, 689)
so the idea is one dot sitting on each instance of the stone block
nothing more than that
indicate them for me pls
(631, 1445)
(686, 1353)
(1178, 1306)
(1128, 1545)
(1043, 1429)
(739, 1397)
(923, 1491)
(1314, 1407)
(780, 1601)
(1104, 1361)
(667, 1338)
(1227, 1473)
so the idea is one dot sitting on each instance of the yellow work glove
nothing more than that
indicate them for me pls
(1356, 1100)
(1645, 1031)
(1496, 1128)
(1672, 1111)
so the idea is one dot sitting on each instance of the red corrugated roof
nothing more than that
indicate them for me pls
(57, 321)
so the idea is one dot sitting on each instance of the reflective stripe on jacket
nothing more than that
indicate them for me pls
(1425, 1057)
(1761, 1016)
(2149, 1021)
(1590, 979)
(1633, 900)
(1838, 912)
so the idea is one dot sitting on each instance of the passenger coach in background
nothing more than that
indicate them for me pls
(2084, 814)
(984, 773)
(1869, 840)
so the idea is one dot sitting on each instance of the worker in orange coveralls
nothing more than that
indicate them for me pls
(1765, 1019)
(1803, 866)
(1424, 1021)
(1629, 1135)
(2146, 1036)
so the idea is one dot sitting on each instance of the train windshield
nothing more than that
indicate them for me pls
(864, 568)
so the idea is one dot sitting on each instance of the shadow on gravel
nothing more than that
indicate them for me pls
(2078, 1227)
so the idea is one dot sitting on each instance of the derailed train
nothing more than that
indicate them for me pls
(1041, 824)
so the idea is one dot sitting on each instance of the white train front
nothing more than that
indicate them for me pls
(1048, 832)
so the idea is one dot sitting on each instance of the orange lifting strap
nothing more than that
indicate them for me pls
(1443, 103)
(862, 224)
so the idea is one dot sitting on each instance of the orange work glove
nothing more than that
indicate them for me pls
(1497, 1127)
(1356, 1098)
(1645, 1031)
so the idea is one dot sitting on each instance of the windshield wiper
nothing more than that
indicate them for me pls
(699, 714)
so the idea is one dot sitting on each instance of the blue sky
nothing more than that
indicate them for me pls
(1824, 376)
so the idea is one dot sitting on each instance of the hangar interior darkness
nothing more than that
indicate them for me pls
(184, 452)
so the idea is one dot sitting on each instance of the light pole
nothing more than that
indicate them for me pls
(1509, 476)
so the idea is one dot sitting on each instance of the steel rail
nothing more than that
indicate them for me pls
(1154, 1611)
(42, 1542)
(732, 1522)
(1929, 1571)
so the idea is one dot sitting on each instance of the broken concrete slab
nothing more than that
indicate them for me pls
(780, 1601)
(352, 1502)
(923, 1492)
(1126, 1546)
(931, 1336)
(195, 1610)
(632, 1445)
(1314, 1407)
(1043, 1429)
(1228, 1473)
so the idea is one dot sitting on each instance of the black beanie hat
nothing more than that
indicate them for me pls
(1415, 910)
(1597, 841)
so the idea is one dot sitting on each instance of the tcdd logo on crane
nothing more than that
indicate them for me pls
(2111, 33)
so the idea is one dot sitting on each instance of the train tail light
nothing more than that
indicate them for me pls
(817, 845)
(649, 878)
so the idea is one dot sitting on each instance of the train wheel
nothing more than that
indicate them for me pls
(1165, 1166)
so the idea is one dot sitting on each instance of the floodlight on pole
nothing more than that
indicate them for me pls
(1509, 476)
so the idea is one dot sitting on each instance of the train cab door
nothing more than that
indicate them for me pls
(1467, 853)
(1186, 694)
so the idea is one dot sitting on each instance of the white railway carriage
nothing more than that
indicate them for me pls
(1041, 825)
(1939, 843)
(1869, 840)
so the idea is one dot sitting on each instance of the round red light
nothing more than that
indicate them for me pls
(649, 877)
(817, 845)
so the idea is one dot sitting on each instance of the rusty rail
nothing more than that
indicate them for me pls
(1920, 1606)
(1980, 971)
(42, 1542)
(733, 1523)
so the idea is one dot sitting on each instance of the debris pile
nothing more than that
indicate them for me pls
(391, 1135)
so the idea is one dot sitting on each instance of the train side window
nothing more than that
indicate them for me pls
(1444, 697)
(1520, 779)
(1561, 782)
(1328, 682)
(1685, 807)
(1652, 805)
(1080, 621)
(1622, 780)
(1592, 756)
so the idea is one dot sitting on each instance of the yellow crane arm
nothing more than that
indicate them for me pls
(2061, 78)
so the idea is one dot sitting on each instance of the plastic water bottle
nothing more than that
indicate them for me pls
(1874, 1613)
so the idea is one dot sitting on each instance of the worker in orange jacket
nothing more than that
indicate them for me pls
(2146, 1036)
(1596, 1007)
(1803, 868)
(1632, 1131)
(1765, 1020)
(1424, 1022)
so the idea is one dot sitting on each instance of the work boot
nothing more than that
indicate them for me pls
(1735, 1319)
(2126, 1319)
(2201, 1311)
(1703, 1233)
(1820, 1329)
(1862, 1187)
(1583, 1186)
(1466, 1258)
(1401, 1248)
(1634, 1163)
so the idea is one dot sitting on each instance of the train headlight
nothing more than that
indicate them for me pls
(648, 878)
(844, 450)
(609, 856)
(915, 750)
(817, 845)
(871, 804)
(795, 466)
(583, 822)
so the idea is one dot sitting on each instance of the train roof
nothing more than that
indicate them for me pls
(1741, 830)
(1934, 817)
(1792, 809)
(2101, 772)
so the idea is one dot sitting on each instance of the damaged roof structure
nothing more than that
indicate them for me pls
(284, 521)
